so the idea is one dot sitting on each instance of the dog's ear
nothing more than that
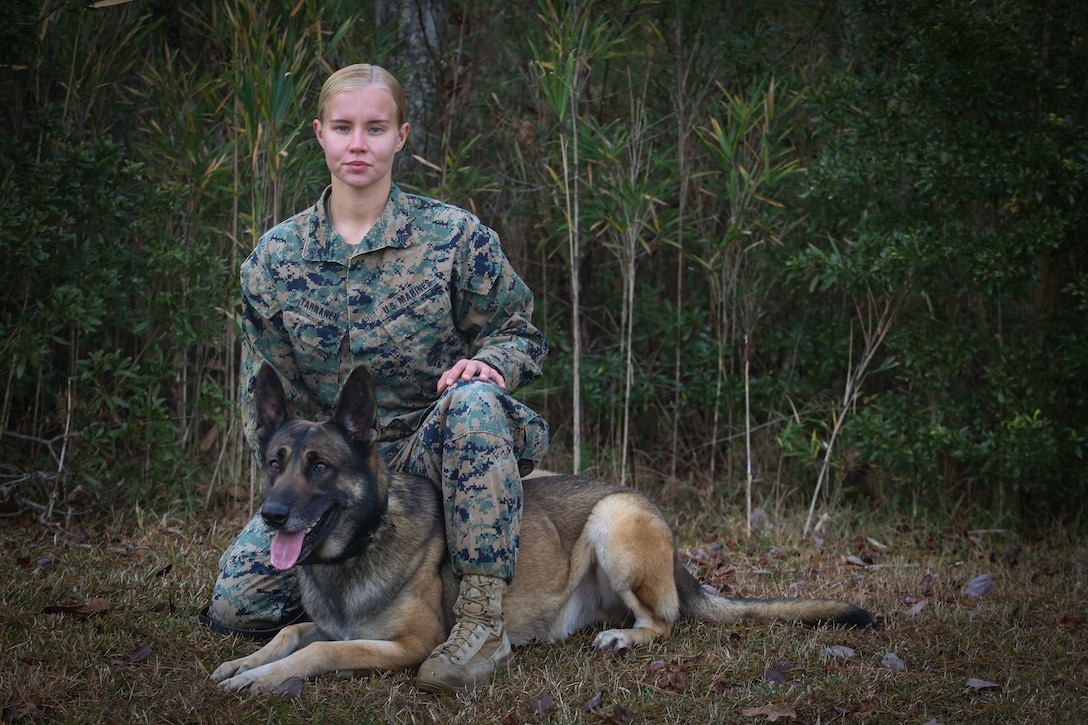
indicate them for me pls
(270, 403)
(357, 410)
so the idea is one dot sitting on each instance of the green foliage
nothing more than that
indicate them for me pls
(95, 298)
(118, 321)
(954, 172)
(864, 216)
(17, 21)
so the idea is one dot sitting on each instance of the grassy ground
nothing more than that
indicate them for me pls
(98, 624)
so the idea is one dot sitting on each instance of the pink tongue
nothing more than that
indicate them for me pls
(286, 546)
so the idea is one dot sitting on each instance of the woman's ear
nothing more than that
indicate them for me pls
(402, 135)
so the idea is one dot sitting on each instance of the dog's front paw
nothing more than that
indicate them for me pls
(252, 679)
(242, 681)
(229, 669)
(265, 678)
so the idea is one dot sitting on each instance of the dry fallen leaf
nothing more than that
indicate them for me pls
(980, 586)
(771, 712)
(541, 704)
(619, 716)
(773, 676)
(917, 608)
(139, 653)
(290, 688)
(13, 714)
(976, 684)
(670, 675)
(88, 608)
(1072, 622)
(594, 702)
(864, 711)
(841, 650)
(892, 662)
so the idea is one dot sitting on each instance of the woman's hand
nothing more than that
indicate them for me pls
(467, 370)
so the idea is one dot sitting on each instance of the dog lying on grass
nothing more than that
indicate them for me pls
(378, 584)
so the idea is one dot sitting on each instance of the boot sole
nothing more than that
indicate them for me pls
(448, 683)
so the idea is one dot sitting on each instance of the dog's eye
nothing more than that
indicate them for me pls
(321, 467)
(273, 465)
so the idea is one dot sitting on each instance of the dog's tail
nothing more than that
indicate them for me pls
(697, 603)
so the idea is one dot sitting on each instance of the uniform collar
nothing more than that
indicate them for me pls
(324, 244)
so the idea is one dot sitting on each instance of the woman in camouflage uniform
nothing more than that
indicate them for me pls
(420, 293)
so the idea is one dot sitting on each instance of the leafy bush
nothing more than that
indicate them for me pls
(98, 302)
(862, 217)
(954, 176)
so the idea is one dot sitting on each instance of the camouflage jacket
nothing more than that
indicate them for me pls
(427, 286)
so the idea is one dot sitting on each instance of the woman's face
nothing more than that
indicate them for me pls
(361, 136)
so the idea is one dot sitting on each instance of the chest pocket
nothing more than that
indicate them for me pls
(420, 323)
(315, 335)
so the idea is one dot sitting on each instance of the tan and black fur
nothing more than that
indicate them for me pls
(377, 581)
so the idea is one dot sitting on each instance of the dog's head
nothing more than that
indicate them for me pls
(322, 482)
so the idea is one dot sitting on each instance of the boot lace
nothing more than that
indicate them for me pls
(475, 620)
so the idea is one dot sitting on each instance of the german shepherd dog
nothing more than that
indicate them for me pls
(376, 579)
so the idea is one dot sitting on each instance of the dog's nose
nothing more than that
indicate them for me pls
(275, 513)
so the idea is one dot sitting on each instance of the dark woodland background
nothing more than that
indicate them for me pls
(840, 244)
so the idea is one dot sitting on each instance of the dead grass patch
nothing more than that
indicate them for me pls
(1015, 655)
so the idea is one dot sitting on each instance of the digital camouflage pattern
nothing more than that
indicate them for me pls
(472, 441)
(427, 286)
(251, 594)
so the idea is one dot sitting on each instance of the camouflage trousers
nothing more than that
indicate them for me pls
(476, 442)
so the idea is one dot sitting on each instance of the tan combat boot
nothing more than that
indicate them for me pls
(478, 643)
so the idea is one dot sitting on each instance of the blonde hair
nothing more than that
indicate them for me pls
(357, 76)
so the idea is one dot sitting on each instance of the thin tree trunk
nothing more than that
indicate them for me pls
(421, 29)
(575, 242)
